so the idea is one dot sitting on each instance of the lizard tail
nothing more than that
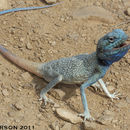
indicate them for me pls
(30, 66)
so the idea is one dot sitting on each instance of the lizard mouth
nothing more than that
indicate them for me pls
(123, 45)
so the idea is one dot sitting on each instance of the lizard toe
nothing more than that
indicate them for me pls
(86, 117)
(46, 100)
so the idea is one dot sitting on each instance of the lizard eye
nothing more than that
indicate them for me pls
(111, 39)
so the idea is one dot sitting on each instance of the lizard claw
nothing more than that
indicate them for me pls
(115, 95)
(46, 100)
(86, 117)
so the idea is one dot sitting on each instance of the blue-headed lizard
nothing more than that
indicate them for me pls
(84, 69)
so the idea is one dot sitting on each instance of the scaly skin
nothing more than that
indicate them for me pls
(84, 69)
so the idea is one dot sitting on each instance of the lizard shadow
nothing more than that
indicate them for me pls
(65, 91)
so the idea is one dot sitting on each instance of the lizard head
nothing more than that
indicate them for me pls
(112, 47)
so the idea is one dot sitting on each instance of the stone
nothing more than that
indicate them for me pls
(4, 4)
(29, 46)
(128, 100)
(122, 104)
(67, 126)
(57, 93)
(68, 115)
(55, 125)
(128, 11)
(50, 1)
(89, 126)
(94, 13)
(5, 92)
(126, 3)
(106, 118)
(110, 88)
(18, 106)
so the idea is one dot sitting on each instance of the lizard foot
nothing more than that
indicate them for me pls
(46, 100)
(114, 95)
(86, 117)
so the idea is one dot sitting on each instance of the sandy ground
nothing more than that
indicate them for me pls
(48, 34)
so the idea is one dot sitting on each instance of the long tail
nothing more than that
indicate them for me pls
(30, 66)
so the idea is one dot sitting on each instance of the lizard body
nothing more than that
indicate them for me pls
(84, 69)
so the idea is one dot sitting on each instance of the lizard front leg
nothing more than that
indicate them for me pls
(86, 84)
(111, 96)
(48, 87)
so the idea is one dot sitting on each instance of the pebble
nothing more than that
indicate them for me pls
(73, 36)
(5, 92)
(4, 4)
(53, 43)
(22, 39)
(50, 1)
(11, 114)
(57, 93)
(128, 11)
(89, 126)
(126, 3)
(18, 106)
(106, 118)
(29, 46)
(122, 104)
(110, 88)
(94, 13)
(67, 126)
(128, 100)
(55, 125)
(68, 115)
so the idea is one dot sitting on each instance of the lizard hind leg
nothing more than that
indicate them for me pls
(47, 88)
(98, 86)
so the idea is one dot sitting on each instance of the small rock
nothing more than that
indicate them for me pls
(18, 105)
(128, 100)
(128, 11)
(53, 43)
(89, 126)
(4, 4)
(68, 116)
(21, 39)
(50, 1)
(110, 88)
(67, 126)
(106, 118)
(94, 13)
(107, 112)
(26, 76)
(12, 114)
(74, 36)
(122, 104)
(55, 125)
(57, 93)
(126, 3)
(5, 92)
(19, 119)
(29, 46)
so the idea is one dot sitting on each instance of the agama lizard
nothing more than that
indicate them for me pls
(84, 69)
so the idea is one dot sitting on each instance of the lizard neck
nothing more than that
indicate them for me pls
(110, 59)
(104, 62)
